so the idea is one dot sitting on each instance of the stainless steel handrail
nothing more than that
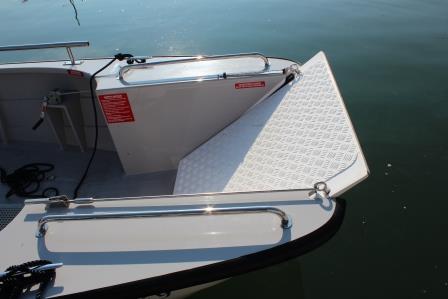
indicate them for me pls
(64, 200)
(66, 45)
(265, 60)
(42, 225)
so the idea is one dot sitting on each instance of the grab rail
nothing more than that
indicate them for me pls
(66, 45)
(42, 226)
(265, 60)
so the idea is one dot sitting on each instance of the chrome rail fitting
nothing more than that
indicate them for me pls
(265, 60)
(59, 201)
(66, 45)
(42, 225)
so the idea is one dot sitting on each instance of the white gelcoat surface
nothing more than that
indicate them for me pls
(126, 250)
(172, 119)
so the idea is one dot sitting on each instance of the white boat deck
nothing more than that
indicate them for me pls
(105, 179)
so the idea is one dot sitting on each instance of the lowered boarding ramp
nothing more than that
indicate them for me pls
(299, 136)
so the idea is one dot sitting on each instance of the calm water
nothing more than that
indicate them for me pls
(390, 59)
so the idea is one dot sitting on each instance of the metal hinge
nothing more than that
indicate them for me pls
(59, 201)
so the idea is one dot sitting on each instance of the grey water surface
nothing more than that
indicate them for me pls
(390, 59)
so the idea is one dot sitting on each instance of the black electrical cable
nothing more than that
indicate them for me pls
(119, 57)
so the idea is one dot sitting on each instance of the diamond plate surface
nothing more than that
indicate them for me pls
(7, 214)
(299, 136)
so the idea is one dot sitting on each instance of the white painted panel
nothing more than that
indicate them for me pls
(171, 120)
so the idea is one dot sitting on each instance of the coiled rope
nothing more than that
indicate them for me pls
(26, 180)
(20, 278)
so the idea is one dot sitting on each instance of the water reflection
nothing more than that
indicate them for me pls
(389, 59)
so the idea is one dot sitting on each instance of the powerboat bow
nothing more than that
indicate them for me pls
(159, 176)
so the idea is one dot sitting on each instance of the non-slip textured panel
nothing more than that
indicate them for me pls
(295, 138)
(7, 214)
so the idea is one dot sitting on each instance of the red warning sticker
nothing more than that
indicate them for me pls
(75, 73)
(253, 84)
(116, 108)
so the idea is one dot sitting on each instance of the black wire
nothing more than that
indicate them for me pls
(95, 114)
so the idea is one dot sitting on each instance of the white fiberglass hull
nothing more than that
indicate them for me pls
(247, 186)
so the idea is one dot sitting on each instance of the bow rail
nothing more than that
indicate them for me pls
(200, 58)
(67, 45)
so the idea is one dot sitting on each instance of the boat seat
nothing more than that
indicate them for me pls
(298, 136)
